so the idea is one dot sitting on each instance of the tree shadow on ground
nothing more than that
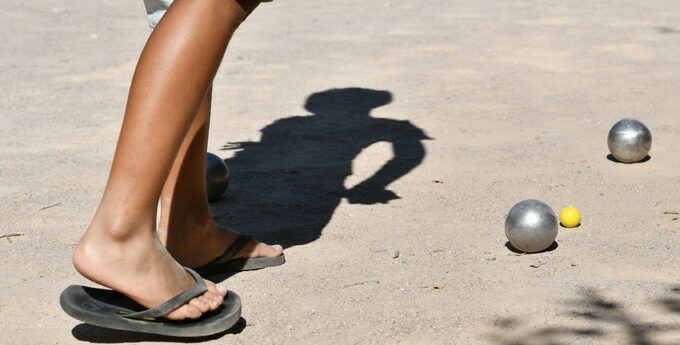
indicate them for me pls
(285, 187)
(604, 318)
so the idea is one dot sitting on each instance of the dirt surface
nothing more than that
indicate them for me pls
(509, 99)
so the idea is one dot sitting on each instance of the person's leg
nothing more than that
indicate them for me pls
(121, 248)
(186, 225)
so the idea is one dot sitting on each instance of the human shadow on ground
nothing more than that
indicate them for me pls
(285, 187)
(96, 334)
(605, 318)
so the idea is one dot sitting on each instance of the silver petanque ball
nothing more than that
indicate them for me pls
(629, 141)
(531, 226)
(216, 177)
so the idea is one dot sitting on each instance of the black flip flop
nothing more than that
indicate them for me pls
(111, 309)
(225, 263)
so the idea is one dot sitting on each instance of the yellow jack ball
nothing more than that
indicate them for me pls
(570, 217)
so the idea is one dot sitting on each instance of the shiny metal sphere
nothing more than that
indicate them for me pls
(531, 226)
(216, 177)
(629, 141)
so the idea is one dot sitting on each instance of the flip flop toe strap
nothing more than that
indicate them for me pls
(174, 302)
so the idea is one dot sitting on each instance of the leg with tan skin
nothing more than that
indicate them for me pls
(186, 225)
(121, 248)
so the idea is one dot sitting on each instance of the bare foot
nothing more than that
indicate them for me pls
(195, 246)
(142, 269)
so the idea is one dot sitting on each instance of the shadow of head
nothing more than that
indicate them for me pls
(351, 100)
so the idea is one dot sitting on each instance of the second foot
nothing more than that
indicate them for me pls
(201, 245)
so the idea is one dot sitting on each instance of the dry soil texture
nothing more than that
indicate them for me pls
(475, 104)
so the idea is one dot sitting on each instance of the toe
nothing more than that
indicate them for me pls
(277, 248)
(214, 289)
(192, 312)
(265, 250)
(195, 308)
(186, 311)
(201, 303)
(215, 296)
(214, 301)
(274, 248)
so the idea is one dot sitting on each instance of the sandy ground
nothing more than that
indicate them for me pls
(511, 100)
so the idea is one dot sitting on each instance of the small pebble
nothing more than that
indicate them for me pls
(395, 254)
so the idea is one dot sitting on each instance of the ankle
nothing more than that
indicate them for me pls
(187, 229)
(103, 246)
(120, 227)
(178, 221)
